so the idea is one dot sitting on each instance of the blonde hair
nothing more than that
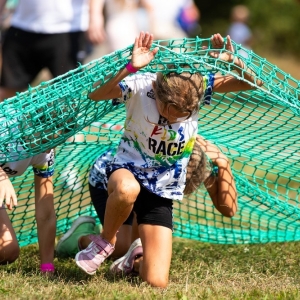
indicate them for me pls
(184, 90)
(198, 169)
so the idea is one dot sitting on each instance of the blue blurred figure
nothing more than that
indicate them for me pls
(239, 30)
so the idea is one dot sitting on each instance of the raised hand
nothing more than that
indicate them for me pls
(218, 42)
(7, 192)
(141, 54)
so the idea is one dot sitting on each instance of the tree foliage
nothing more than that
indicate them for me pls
(275, 23)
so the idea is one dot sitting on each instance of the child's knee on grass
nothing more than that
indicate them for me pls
(156, 279)
(159, 280)
(9, 251)
(9, 247)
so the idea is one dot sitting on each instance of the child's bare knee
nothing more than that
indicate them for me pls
(127, 189)
(9, 254)
(157, 281)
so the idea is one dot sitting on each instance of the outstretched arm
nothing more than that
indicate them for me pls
(45, 217)
(221, 188)
(141, 56)
(229, 83)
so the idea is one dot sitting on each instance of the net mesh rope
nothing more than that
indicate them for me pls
(258, 130)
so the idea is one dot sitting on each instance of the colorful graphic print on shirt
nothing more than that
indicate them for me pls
(156, 155)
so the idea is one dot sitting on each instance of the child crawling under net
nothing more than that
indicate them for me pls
(43, 168)
(148, 171)
(200, 170)
(43, 165)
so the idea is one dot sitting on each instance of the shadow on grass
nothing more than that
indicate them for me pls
(135, 281)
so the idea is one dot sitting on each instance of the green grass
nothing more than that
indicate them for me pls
(198, 271)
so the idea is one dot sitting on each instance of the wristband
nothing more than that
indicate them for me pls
(130, 68)
(48, 267)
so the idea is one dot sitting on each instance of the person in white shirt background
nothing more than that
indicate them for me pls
(47, 34)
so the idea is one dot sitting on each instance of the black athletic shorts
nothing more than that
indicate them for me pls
(149, 208)
(25, 54)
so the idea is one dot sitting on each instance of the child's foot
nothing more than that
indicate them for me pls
(68, 244)
(90, 259)
(124, 265)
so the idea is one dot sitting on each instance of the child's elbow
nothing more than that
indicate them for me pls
(228, 212)
(92, 96)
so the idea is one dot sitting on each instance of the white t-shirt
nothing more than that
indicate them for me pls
(42, 165)
(166, 10)
(51, 16)
(157, 155)
(164, 23)
(119, 14)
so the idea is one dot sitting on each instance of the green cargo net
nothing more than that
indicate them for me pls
(257, 130)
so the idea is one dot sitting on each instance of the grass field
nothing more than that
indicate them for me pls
(198, 271)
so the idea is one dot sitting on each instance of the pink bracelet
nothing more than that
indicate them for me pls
(48, 267)
(130, 68)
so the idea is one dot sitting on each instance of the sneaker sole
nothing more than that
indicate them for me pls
(81, 267)
(136, 243)
(75, 224)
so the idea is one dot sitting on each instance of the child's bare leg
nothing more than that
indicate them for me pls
(123, 190)
(135, 230)
(123, 241)
(154, 266)
(122, 245)
(9, 248)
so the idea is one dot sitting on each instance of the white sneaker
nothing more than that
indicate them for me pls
(125, 263)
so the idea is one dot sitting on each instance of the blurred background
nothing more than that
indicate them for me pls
(270, 28)
(274, 25)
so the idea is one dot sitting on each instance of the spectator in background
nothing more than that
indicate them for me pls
(124, 21)
(47, 34)
(188, 18)
(163, 16)
(167, 19)
(239, 30)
